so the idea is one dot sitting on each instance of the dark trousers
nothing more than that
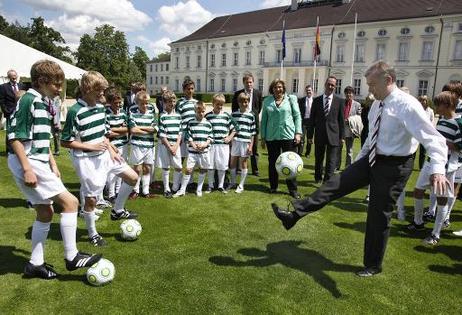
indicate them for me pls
(304, 140)
(421, 156)
(56, 139)
(275, 148)
(254, 156)
(387, 179)
(331, 153)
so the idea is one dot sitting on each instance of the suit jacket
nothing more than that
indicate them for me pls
(327, 130)
(355, 109)
(159, 103)
(257, 101)
(127, 101)
(301, 105)
(8, 98)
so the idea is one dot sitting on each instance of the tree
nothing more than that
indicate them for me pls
(140, 58)
(165, 56)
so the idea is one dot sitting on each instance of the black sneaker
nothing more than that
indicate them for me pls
(82, 260)
(168, 194)
(428, 216)
(208, 190)
(446, 224)
(222, 190)
(44, 271)
(416, 227)
(97, 240)
(124, 214)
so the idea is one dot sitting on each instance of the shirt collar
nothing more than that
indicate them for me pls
(35, 92)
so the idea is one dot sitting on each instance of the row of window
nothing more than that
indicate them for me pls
(161, 81)
(157, 68)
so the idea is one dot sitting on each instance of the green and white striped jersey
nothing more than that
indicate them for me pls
(148, 119)
(245, 126)
(198, 132)
(85, 124)
(116, 121)
(222, 125)
(451, 130)
(31, 124)
(170, 126)
(135, 109)
(186, 109)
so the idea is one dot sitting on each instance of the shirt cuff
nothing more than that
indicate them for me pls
(437, 168)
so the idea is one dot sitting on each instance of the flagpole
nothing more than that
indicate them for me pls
(283, 40)
(315, 87)
(354, 49)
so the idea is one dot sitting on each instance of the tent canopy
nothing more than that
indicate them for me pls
(20, 58)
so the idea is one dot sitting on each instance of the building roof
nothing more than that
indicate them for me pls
(329, 12)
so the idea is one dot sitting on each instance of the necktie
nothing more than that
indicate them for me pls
(51, 109)
(326, 107)
(15, 88)
(375, 133)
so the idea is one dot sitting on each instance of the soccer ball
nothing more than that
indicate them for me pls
(289, 164)
(101, 272)
(130, 229)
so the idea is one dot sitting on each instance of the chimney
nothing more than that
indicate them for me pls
(294, 5)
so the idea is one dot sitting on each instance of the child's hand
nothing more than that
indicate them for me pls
(102, 146)
(30, 179)
(249, 149)
(55, 170)
(227, 139)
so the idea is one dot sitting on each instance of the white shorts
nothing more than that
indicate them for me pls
(166, 160)
(123, 151)
(239, 148)
(423, 181)
(458, 177)
(219, 157)
(184, 149)
(141, 155)
(48, 184)
(201, 160)
(94, 170)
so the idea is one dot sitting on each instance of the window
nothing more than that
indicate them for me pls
(295, 86)
(361, 34)
(382, 32)
(223, 60)
(236, 59)
(212, 85)
(341, 35)
(423, 88)
(234, 84)
(429, 29)
(427, 51)
(166, 67)
(187, 62)
(338, 88)
(198, 85)
(359, 52)
(400, 83)
(248, 58)
(279, 55)
(150, 68)
(212, 60)
(357, 86)
(156, 68)
(166, 80)
(380, 51)
(403, 51)
(340, 55)
(177, 63)
(177, 85)
(199, 61)
(297, 55)
(458, 50)
(161, 80)
(150, 80)
(315, 85)
(261, 57)
(260, 84)
(223, 85)
(405, 31)
(157, 80)
(161, 67)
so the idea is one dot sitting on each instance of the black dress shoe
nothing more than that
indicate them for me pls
(287, 218)
(295, 194)
(256, 173)
(368, 272)
(273, 191)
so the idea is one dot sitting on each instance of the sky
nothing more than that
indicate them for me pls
(149, 24)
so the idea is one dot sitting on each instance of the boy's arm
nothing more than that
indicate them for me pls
(30, 179)
(54, 166)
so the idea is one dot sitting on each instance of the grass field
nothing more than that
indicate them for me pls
(229, 255)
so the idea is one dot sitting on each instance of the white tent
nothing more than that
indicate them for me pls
(20, 57)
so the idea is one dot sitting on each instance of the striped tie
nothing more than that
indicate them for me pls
(326, 107)
(375, 133)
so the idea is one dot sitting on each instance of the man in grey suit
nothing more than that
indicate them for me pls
(351, 109)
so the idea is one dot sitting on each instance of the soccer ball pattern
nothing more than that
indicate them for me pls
(130, 229)
(101, 273)
(289, 164)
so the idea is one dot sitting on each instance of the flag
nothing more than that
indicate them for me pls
(317, 45)
(283, 39)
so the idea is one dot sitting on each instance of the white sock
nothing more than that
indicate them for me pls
(146, 182)
(82, 199)
(432, 208)
(68, 226)
(176, 180)
(200, 181)
(165, 179)
(117, 184)
(418, 211)
(136, 188)
(110, 183)
(221, 179)
(184, 183)
(400, 202)
(451, 202)
(211, 178)
(90, 219)
(122, 197)
(243, 176)
(152, 177)
(232, 171)
(39, 235)
(441, 213)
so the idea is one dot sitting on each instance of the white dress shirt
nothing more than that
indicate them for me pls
(249, 108)
(403, 125)
(308, 103)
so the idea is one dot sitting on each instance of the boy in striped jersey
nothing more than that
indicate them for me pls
(142, 126)
(199, 136)
(116, 124)
(450, 127)
(37, 175)
(85, 134)
(241, 147)
(185, 106)
(168, 148)
(223, 133)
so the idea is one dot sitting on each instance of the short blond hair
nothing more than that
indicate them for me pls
(47, 70)
(199, 104)
(243, 96)
(168, 95)
(91, 81)
(218, 98)
(142, 95)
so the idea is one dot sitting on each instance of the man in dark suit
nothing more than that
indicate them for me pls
(129, 99)
(305, 104)
(159, 100)
(328, 127)
(8, 96)
(254, 107)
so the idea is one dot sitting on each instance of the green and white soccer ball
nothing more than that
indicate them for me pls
(289, 164)
(101, 273)
(130, 229)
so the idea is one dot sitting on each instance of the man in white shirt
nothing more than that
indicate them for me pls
(397, 123)
(304, 103)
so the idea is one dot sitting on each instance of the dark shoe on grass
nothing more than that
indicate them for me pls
(368, 272)
(288, 219)
(124, 214)
(44, 271)
(97, 240)
(82, 260)
(416, 227)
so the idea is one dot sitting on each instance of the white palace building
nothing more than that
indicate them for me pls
(422, 39)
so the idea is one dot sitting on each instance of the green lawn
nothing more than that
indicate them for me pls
(229, 255)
